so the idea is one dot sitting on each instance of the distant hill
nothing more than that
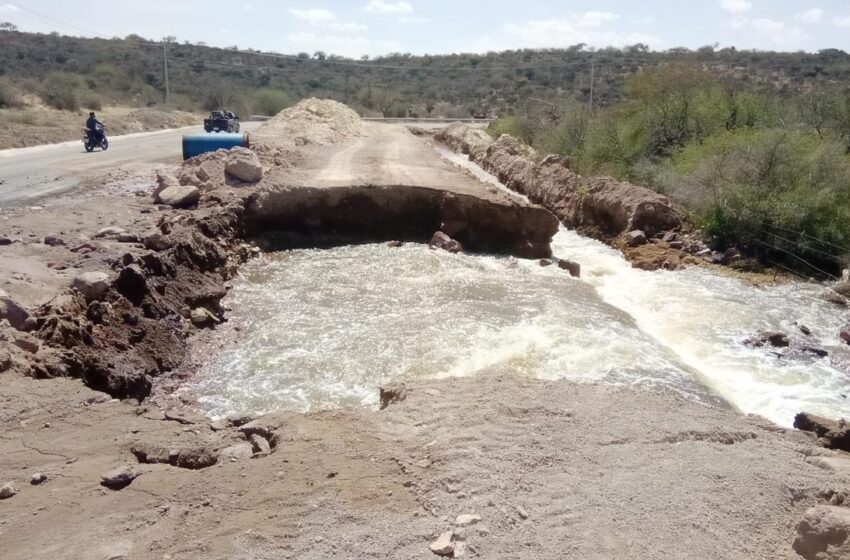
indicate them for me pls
(69, 72)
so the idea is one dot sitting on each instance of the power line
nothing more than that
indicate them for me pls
(53, 21)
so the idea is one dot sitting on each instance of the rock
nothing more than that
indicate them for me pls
(236, 452)
(239, 420)
(835, 434)
(824, 534)
(805, 330)
(54, 241)
(27, 342)
(845, 335)
(835, 298)
(109, 231)
(158, 242)
(522, 513)
(163, 181)
(127, 238)
(5, 241)
(132, 283)
(635, 238)
(679, 245)
(572, 267)
(442, 241)
(93, 285)
(194, 459)
(184, 416)
(38, 478)
(260, 445)
(843, 288)
(443, 546)
(17, 315)
(7, 491)
(243, 164)
(201, 317)
(392, 394)
(775, 339)
(814, 351)
(180, 196)
(119, 478)
(394, 244)
(467, 520)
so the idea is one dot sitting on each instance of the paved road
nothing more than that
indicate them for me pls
(28, 174)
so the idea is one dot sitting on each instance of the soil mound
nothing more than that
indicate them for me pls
(311, 121)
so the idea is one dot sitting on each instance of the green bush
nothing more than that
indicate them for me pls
(270, 102)
(516, 126)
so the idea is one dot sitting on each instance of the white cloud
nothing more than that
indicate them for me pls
(736, 6)
(776, 32)
(842, 21)
(413, 19)
(594, 19)
(9, 8)
(384, 7)
(327, 20)
(344, 46)
(313, 15)
(815, 15)
(563, 32)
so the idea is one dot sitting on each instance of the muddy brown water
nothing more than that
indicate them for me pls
(324, 328)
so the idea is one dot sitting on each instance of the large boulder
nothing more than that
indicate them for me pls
(824, 534)
(243, 164)
(835, 434)
(93, 285)
(442, 241)
(180, 196)
(17, 315)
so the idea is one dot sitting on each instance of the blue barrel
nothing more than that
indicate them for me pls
(197, 144)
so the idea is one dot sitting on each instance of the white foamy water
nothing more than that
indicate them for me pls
(325, 328)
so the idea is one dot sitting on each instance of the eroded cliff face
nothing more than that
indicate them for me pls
(597, 206)
(403, 212)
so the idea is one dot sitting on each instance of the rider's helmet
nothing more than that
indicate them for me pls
(91, 114)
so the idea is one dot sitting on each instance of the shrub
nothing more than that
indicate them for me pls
(517, 126)
(270, 102)
(92, 102)
(60, 92)
(9, 97)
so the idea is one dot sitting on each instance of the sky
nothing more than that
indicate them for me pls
(373, 27)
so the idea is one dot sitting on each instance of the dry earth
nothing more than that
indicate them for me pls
(554, 470)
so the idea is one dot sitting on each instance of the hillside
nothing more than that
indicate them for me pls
(68, 72)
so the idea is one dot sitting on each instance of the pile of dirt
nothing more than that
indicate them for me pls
(312, 121)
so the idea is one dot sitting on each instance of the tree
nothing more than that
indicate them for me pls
(8, 26)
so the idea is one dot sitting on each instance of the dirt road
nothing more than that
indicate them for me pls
(27, 174)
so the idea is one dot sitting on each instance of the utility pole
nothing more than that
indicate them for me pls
(165, 67)
(592, 77)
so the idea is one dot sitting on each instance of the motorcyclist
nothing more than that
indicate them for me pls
(94, 126)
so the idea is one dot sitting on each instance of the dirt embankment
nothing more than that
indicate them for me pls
(41, 125)
(642, 223)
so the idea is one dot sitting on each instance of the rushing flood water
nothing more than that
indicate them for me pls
(324, 328)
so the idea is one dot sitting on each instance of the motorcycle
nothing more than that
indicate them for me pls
(96, 138)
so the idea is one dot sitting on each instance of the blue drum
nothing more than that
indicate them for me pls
(197, 144)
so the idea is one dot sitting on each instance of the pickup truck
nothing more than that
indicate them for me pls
(222, 121)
